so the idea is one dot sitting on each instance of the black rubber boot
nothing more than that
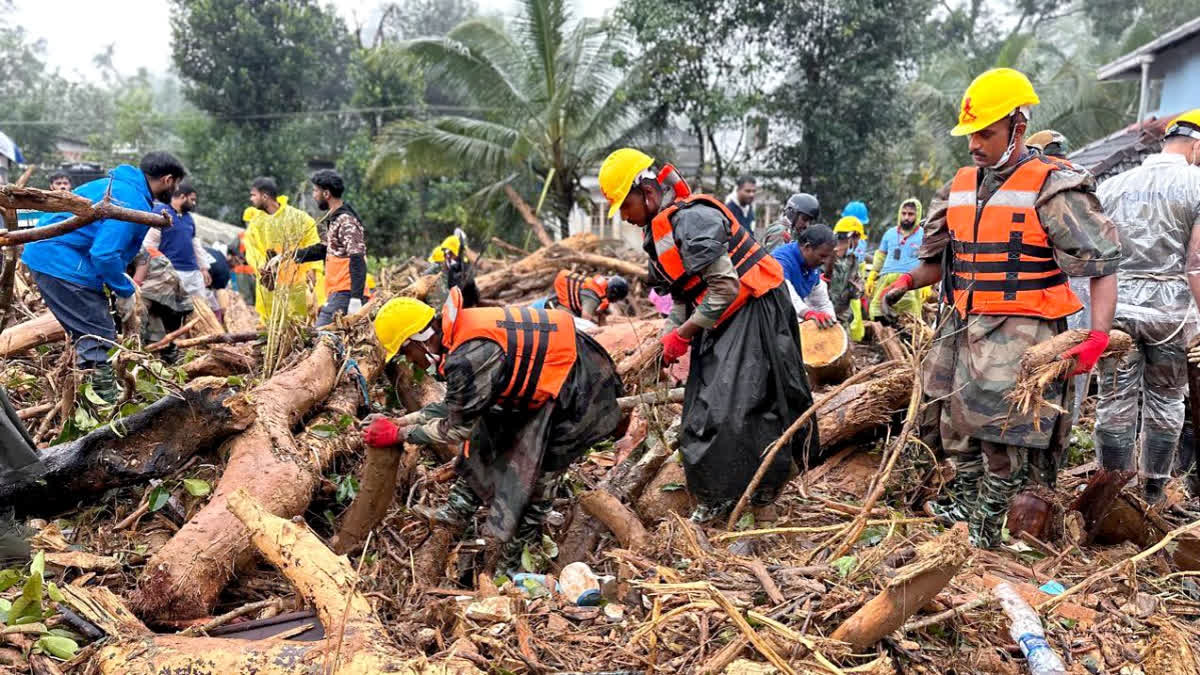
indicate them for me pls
(1154, 490)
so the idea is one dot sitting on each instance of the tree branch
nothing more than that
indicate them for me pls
(13, 197)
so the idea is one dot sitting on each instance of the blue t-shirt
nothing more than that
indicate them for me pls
(802, 277)
(900, 250)
(176, 241)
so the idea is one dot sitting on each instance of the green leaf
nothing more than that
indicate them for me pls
(672, 487)
(9, 578)
(159, 497)
(5, 606)
(83, 419)
(38, 566)
(196, 487)
(845, 565)
(745, 522)
(63, 632)
(57, 646)
(55, 594)
(235, 380)
(89, 393)
(323, 430)
(528, 561)
(345, 422)
(549, 547)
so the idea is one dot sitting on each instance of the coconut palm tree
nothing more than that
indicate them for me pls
(541, 105)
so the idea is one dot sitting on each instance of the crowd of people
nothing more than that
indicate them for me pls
(988, 265)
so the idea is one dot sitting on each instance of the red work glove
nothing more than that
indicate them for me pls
(823, 319)
(674, 347)
(866, 305)
(1088, 352)
(383, 433)
(894, 292)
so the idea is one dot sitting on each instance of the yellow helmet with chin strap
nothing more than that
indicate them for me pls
(991, 97)
(617, 174)
(399, 320)
(850, 224)
(1190, 126)
(451, 243)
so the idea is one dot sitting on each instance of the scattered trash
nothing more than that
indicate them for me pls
(496, 609)
(1052, 587)
(580, 584)
(1026, 629)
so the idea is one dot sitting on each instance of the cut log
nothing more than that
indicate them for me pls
(666, 494)
(618, 518)
(1041, 366)
(911, 589)
(862, 408)
(152, 443)
(208, 323)
(221, 361)
(237, 315)
(1099, 497)
(357, 642)
(826, 353)
(385, 469)
(39, 330)
(185, 576)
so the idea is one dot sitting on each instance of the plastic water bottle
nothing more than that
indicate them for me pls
(1026, 629)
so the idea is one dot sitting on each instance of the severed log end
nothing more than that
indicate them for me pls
(380, 475)
(912, 588)
(618, 518)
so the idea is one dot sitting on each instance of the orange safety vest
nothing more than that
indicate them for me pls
(1003, 262)
(539, 347)
(757, 271)
(569, 285)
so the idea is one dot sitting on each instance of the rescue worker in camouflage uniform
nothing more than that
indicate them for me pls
(526, 395)
(1005, 234)
(845, 282)
(451, 261)
(1156, 207)
(746, 382)
(1048, 142)
(801, 210)
(584, 296)
(163, 294)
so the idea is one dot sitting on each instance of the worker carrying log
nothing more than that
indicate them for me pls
(1005, 234)
(73, 271)
(746, 382)
(526, 395)
(800, 211)
(897, 255)
(587, 297)
(1156, 206)
(802, 261)
(274, 235)
(451, 261)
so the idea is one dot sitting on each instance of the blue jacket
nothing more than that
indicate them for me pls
(803, 278)
(176, 242)
(96, 254)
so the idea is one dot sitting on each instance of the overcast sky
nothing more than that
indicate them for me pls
(77, 30)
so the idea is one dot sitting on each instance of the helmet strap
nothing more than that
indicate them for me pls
(1012, 141)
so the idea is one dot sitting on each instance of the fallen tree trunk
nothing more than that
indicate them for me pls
(888, 340)
(149, 444)
(357, 642)
(185, 576)
(618, 518)
(221, 361)
(237, 315)
(54, 201)
(911, 589)
(862, 407)
(29, 334)
(218, 339)
(527, 214)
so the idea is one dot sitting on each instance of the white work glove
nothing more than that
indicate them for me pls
(354, 306)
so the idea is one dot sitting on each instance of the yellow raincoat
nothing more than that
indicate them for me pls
(284, 232)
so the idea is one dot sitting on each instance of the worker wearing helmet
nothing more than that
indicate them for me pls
(587, 297)
(897, 255)
(845, 280)
(525, 392)
(1048, 142)
(800, 211)
(746, 382)
(1004, 235)
(1156, 207)
(451, 261)
(859, 210)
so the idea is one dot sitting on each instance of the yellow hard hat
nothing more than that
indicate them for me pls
(450, 243)
(617, 174)
(993, 96)
(399, 320)
(1191, 117)
(850, 224)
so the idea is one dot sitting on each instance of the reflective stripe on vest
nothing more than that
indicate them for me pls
(1002, 262)
(539, 348)
(568, 287)
(757, 271)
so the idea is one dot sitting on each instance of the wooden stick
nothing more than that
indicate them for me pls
(221, 338)
(230, 616)
(527, 214)
(13, 197)
(36, 410)
(815, 529)
(791, 431)
(1111, 569)
(978, 601)
(497, 241)
(660, 397)
(169, 337)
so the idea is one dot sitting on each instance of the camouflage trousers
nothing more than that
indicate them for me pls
(462, 502)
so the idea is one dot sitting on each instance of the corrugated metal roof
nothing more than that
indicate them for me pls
(1123, 149)
(1133, 60)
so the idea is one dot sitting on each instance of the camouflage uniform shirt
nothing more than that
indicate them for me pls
(778, 234)
(974, 362)
(162, 284)
(475, 378)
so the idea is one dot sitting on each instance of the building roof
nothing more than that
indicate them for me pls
(1123, 149)
(1129, 65)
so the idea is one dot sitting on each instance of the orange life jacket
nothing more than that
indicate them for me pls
(539, 346)
(1003, 262)
(569, 285)
(757, 271)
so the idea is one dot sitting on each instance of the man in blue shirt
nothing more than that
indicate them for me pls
(741, 201)
(180, 245)
(73, 270)
(896, 256)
